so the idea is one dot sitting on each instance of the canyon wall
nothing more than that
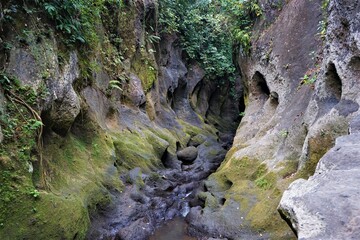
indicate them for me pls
(114, 117)
(301, 93)
(121, 121)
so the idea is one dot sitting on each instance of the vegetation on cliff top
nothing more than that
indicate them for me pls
(211, 30)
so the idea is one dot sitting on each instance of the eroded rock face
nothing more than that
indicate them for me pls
(289, 122)
(123, 109)
(39, 68)
(326, 206)
(64, 105)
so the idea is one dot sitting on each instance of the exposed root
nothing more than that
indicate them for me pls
(13, 97)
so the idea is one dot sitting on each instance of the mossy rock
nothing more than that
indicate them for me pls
(142, 150)
(77, 172)
(210, 200)
(145, 69)
(321, 142)
(48, 217)
(257, 190)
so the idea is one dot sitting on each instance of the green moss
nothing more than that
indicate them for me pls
(76, 175)
(260, 171)
(145, 70)
(288, 168)
(213, 152)
(142, 150)
(210, 200)
(166, 135)
(127, 20)
(190, 129)
(266, 182)
(154, 177)
(258, 191)
(44, 218)
(318, 146)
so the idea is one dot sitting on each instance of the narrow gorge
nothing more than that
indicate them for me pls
(179, 120)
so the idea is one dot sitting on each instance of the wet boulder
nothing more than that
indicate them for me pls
(188, 154)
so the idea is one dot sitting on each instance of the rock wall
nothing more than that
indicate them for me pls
(301, 92)
(108, 111)
(324, 205)
(129, 109)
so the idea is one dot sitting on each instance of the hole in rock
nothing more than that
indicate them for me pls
(169, 98)
(355, 64)
(142, 106)
(195, 95)
(205, 189)
(165, 159)
(222, 201)
(333, 82)
(228, 184)
(261, 87)
(178, 146)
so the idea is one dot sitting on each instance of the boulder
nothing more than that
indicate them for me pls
(188, 154)
(326, 206)
(63, 104)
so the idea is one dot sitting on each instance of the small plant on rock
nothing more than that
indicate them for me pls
(34, 193)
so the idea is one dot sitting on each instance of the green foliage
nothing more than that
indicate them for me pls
(115, 84)
(34, 193)
(263, 183)
(66, 15)
(18, 124)
(308, 79)
(284, 133)
(310, 76)
(76, 19)
(209, 30)
(322, 27)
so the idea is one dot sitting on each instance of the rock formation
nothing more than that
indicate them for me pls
(280, 139)
(129, 131)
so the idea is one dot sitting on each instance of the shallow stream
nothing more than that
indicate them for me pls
(158, 207)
